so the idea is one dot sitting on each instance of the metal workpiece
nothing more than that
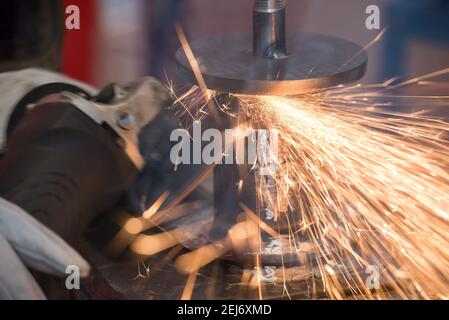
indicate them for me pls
(269, 29)
(314, 62)
(267, 62)
(271, 61)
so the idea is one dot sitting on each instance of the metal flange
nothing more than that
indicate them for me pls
(314, 62)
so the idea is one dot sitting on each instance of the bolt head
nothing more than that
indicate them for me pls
(125, 119)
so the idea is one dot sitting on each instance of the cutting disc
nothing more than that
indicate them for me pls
(313, 62)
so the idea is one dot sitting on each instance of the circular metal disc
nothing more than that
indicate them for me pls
(314, 62)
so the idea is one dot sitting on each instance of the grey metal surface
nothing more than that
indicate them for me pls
(314, 62)
(269, 29)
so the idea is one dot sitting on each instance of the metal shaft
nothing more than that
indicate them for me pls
(269, 29)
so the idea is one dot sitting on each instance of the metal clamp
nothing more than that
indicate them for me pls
(129, 112)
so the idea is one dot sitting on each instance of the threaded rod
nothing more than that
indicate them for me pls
(269, 5)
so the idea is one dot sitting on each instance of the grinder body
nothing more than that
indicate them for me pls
(70, 157)
(63, 168)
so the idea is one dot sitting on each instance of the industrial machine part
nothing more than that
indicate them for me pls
(70, 157)
(272, 62)
(268, 62)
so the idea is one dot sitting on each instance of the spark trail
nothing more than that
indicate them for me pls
(368, 183)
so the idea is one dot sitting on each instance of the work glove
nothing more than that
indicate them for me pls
(25, 242)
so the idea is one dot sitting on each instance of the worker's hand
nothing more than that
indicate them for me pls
(25, 241)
